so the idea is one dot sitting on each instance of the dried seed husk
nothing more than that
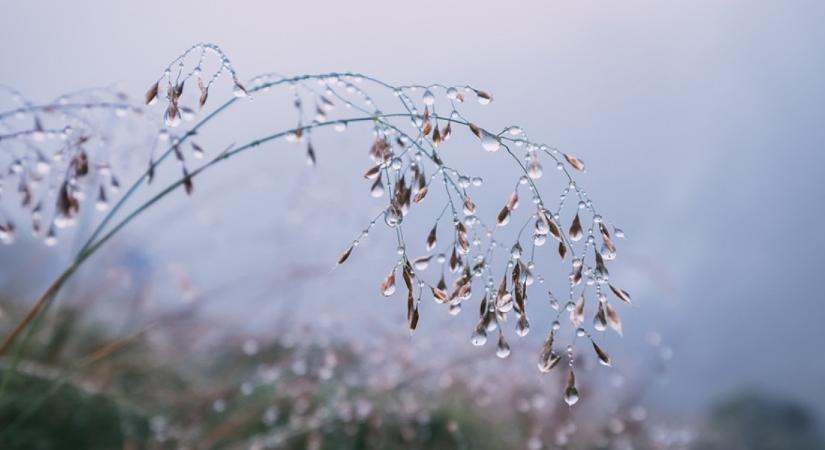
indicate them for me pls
(575, 162)
(623, 295)
(604, 358)
(344, 256)
(575, 232)
(151, 94)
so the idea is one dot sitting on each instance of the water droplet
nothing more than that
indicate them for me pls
(479, 336)
(392, 217)
(452, 93)
(489, 141)
(535, 170)
(428, 98)
(377, 190)
(571, 395)
(51, 237)
(522, 326)
(503, 348)
(484, 98)
(239, 91)
(515, 252)
(608, 252)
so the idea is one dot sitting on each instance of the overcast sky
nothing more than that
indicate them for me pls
(702, 123)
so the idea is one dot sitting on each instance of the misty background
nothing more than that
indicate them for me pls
(701, 123)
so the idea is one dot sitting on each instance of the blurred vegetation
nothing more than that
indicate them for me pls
(754, 421)
(172, 379)
(147, 394)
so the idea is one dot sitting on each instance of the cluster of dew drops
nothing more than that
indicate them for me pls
(56, 157)
(408, 165)
(586, 257)
(407, 168)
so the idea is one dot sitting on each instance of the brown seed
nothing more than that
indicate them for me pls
(575, 162)
(604, 359)
(623, 295)
(575, 232)
(152, 94)
(344, 256)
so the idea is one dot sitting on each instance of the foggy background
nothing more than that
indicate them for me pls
(701, 123)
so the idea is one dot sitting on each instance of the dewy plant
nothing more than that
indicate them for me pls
(57, 161)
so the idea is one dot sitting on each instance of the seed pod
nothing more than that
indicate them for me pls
(344, 256)
(503, 217)
(151, 94)
(604, 359)
(623, 295)
(575, 162)
(575, 232)
(431, 239)
(387, 287)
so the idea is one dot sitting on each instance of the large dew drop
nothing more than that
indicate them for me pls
(428, 98)
(571, 395)
(490, 142)
(503, 348)
(239, 91)
(377, 189)
(392, 217)
(479, 337)
(522, 326)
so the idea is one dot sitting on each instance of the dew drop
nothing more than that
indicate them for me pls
(479, 336)
(239, 91)
(571, 395)
(428, 98)
(490, 142)
(535, 170)
(522, 326)
(392, 217)
(377, 189)
(503, 348)
(515, 252)
(51, 237)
